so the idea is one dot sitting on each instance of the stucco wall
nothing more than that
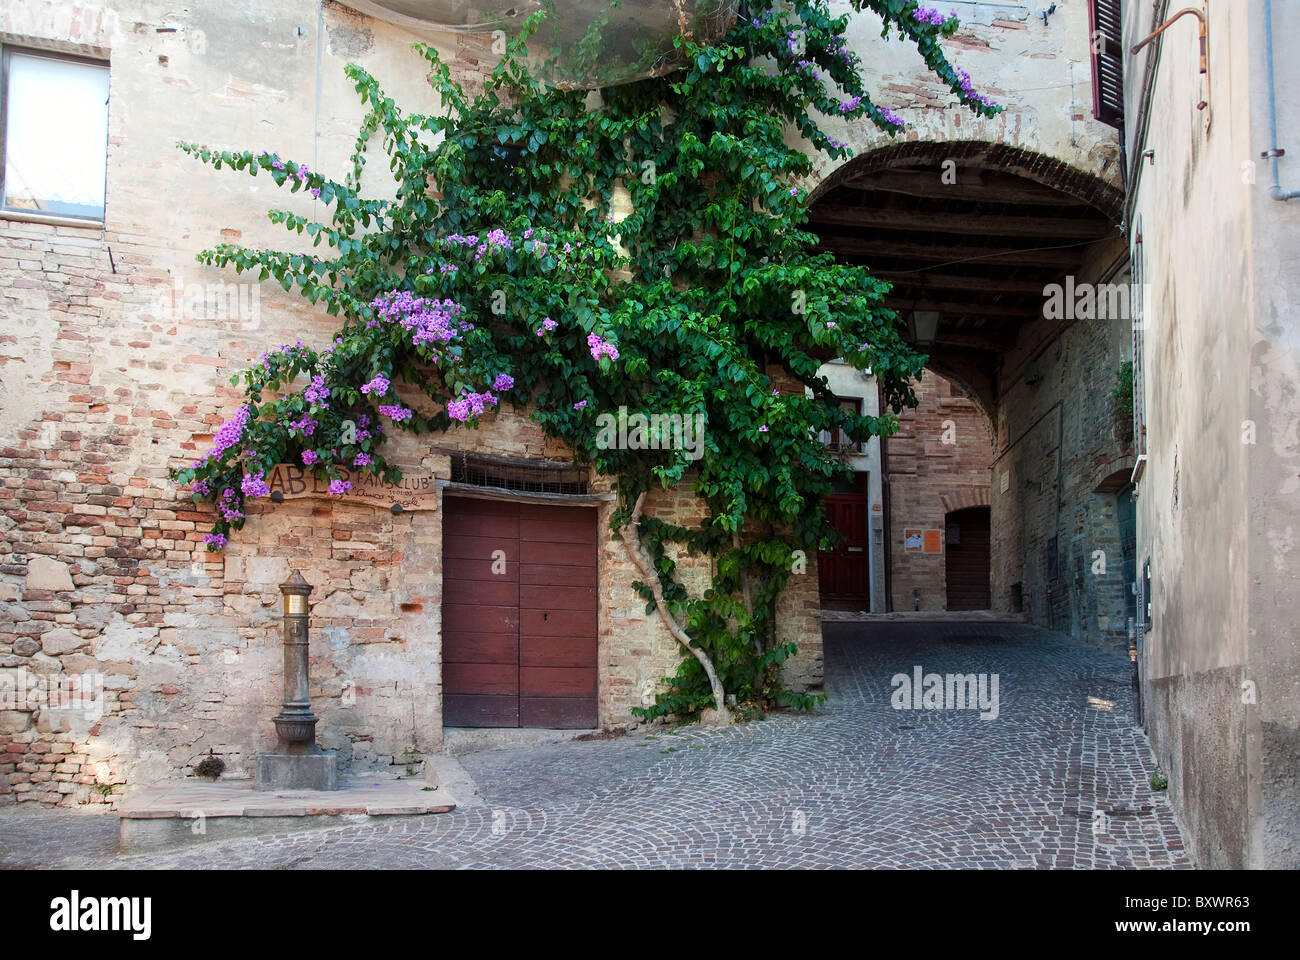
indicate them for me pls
(1217, 506)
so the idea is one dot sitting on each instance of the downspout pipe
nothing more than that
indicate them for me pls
(1274, 153)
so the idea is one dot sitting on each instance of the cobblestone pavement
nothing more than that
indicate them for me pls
(858, 784)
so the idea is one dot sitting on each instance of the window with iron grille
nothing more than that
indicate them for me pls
(523, 476)
(1104, 25)
(53, 134)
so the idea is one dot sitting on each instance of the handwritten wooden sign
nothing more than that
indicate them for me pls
(414, 492)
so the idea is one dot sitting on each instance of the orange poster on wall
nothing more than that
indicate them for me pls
(934, 541)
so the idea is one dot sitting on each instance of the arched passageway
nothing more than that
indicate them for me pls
(985, 246)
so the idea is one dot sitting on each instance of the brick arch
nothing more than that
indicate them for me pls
(963, 498)
(1082, 185)
(974, 382)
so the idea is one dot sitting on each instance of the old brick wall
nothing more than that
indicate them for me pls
(115, 348)
(115, 353)
(937, 462)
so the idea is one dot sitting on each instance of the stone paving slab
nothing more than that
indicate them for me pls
(371, 797)
(174, 815)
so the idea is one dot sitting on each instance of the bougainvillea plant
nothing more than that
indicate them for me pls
(501, 273)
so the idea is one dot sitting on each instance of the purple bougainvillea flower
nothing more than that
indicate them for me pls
(378, 386)
(763, 428)
(429, 322)
(254, 485)
(395, 412)
(891, 117)
(503, 382)
(229, 434)
(340, 487)
(304, 425)
(361, 460)
(600, 347)
(580, 404)
(309, 457)
(215, 541)
(227, 506)
(317, 393)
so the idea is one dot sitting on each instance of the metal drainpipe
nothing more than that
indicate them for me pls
(1144, 112)
(1273, 154)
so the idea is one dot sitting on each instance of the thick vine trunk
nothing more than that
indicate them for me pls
(632, 542)
(745, 593)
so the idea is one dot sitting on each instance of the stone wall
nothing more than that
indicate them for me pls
(1064, 455)
(115, 352)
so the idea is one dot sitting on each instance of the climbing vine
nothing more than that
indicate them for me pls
(503, 272)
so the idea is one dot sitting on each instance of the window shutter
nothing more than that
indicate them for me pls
(1107, 61)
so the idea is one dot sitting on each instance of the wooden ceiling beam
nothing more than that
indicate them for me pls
(976, 186)
(959, 308)
(953, 281)
(946, 253)
(915, 221)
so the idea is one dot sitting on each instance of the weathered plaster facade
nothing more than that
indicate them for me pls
(116, 349)
(1217, 508)
(1040, 71)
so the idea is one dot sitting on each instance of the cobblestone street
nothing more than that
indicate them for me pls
(859, 784)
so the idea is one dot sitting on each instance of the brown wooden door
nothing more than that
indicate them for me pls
(519, 639)
(967, 559)
(844, 574)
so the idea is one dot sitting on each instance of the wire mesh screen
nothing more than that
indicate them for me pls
(518, 475)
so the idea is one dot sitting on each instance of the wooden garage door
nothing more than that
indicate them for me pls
(519, 626)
